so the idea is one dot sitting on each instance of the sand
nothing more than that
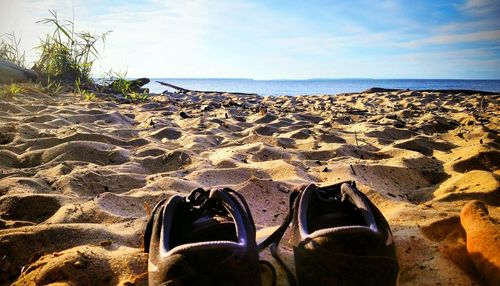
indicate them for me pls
(77, 177)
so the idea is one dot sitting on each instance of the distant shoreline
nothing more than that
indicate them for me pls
(318, 79)
(324, 86)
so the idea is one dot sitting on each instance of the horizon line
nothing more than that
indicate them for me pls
(318, 79)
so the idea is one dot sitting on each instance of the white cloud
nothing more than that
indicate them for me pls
(466, 63)
(490, 36)
(481, 24)
(482, 7)
(450, 39)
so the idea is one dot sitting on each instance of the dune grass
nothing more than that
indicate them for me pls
(67, 55)
(66, 60)
(118, 83)
(10, 51)
(9, 90)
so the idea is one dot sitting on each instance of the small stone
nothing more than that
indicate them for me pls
(398, 124)
(79, 264)
(205, 107)
(184, 115)
(106, 243)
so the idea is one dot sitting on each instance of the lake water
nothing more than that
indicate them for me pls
(320, 86)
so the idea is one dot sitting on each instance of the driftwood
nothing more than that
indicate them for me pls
(178, 88)
(135, 85)
(10, 72)
(185, 90)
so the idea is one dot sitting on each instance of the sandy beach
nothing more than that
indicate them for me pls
(78, 177)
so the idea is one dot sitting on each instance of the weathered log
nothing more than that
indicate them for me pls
(10, 72)
(180, 89)
(185, 90)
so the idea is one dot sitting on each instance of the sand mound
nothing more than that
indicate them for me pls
(475, 184)
(262, 130)
(431, 124)
(169, 161)
(21, 246)
(12, 185)
(167, 133)
(424, 145)
(88, 265)
(267, 118)
(170, 184)
(78, 178)
(86, 151)
(86, 181)
(267, 153)
(478, 159)
(386, 135)
(331, 138)
(33, 208)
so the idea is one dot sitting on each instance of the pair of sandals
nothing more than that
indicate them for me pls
(339, 237)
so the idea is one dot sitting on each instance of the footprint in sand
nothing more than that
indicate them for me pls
(32, 208)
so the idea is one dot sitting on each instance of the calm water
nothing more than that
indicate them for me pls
(297, 87)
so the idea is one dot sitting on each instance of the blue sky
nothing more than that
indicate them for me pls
(279, 39)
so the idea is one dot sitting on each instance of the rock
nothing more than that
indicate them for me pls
(398, 124)
(184, 115)
(205, 107)
(135, 85)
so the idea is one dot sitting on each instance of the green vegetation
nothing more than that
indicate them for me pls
(9, 49)
(65, 63)
(51, 87)
(89, 96)
(10, 90)
(15, 89)
(137, 96)
(118, 83)
(67, 55)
